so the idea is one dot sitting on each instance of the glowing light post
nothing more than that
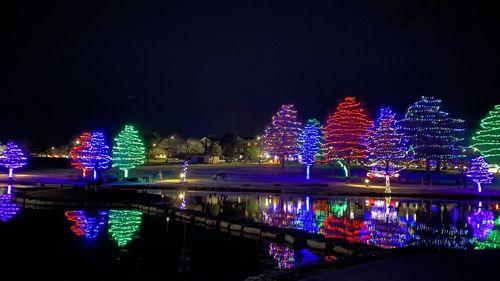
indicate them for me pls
(128, 150)
(387, 149)
(479, 172)
(184, 171)
(309, 143)
(13, 157)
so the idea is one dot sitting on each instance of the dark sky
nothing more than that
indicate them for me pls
(208, 67)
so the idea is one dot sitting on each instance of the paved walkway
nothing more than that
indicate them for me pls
(455, 265)
(260, 178)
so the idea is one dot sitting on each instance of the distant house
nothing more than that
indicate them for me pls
(204, 159)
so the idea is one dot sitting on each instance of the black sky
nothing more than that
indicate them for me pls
(208, 67)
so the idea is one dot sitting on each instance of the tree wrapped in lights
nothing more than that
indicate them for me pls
(280, 138)
(478, 172)
(347, 131)
(123, 225)
(13, 157)
(97, 154)
(309, 143)
(387, 148)
(79, 153)
(8, 208)
(487, 138)
(128, 150)
(430, 131)
(87, 225)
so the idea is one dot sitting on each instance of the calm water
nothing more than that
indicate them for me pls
(385, 222)
(120, 243)
(114, 243)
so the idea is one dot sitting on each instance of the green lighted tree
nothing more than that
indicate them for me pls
(123, 225)
(128, 150)
(487, 138)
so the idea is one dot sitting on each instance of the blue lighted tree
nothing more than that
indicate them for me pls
(98, 154)
(387, 148)
(479, 173)
(13, 157)
(309, 143)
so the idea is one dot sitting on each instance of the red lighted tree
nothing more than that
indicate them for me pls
(281, 136)
(78, 153)
(347, 131)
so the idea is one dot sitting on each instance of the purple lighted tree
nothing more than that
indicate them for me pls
(13, 157)
(478, 172)
(8, 207)
(281, 136)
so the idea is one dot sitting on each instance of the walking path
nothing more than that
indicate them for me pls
(257, 179)
(449, 265)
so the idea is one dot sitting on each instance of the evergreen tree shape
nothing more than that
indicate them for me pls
(487, 138)
(347, 131)
(123, 225)
(98, 154)
(281, 136)
(309, 143)
(78, 154)
(430, 131)
(478, 172)
(13, 157)
(128, 150)
(387, 148)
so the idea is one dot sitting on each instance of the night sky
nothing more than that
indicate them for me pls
(209, 67)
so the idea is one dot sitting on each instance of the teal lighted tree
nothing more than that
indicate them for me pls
(128, 150)
(431, 132)
(487, 138)
(123, 225)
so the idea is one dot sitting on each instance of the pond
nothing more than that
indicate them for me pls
(384, 222)
(126, 243)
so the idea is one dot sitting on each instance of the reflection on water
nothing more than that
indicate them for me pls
(287, 257)
(87, 223)
(282, 254)
(387, 222)
(8, 208)
(123, 225)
